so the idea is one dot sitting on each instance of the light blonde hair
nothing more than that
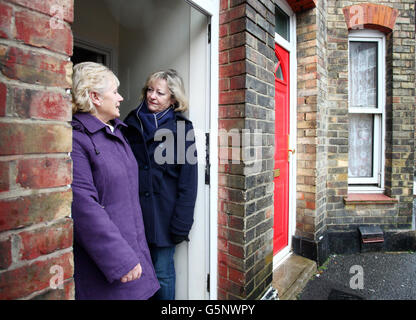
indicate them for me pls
(175, 85)
(89, 77)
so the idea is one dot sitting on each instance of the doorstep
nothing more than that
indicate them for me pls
(292, 275)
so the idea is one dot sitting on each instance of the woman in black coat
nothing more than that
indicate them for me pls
(163, 142)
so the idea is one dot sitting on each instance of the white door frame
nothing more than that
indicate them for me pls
(211, 9)
(290, 46)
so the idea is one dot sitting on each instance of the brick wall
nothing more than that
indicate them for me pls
(321, 119)
(400, 106)
(322, 123)
(400, 83)
(312, 124)
(246, 97)
(35, 141)
(338, 113)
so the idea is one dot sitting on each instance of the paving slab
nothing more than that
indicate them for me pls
(292, 276)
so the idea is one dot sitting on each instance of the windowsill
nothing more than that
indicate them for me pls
(368, 198)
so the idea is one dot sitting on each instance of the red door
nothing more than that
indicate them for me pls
(281, 160)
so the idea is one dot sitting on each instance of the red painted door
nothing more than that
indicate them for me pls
(281, 156)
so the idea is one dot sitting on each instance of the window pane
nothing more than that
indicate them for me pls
(363, 74)
(82, 55)
(278, 70)
(279, 74)
(282, 23)
(360, 153)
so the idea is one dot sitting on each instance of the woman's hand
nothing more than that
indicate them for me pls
(133, 274)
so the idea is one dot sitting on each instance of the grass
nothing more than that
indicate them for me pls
(324, 266)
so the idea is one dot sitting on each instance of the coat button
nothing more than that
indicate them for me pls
(147, 194)
(146, 167)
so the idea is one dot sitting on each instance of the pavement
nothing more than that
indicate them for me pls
(364, 276)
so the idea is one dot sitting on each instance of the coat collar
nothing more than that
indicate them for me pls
(92, 123)
(132, 120)
(151, 122)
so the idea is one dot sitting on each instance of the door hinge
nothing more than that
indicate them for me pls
(209, 33)
(208, 282)
(207, 164)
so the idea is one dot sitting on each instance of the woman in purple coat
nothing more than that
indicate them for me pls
(111, 255)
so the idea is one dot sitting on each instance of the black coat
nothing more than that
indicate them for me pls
(168, 177)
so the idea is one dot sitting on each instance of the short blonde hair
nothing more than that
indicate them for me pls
(175, 85)
(89, 77)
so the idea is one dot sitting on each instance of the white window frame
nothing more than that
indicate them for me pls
(375, 183)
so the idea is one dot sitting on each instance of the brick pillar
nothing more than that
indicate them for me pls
(400, 111)
(246, 99)
(35, 141)
(312, 124)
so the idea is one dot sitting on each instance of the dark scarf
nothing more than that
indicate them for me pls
(150, 122)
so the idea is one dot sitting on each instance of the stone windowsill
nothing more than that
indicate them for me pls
(368, 198)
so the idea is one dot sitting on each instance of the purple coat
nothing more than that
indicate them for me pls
(109, 238)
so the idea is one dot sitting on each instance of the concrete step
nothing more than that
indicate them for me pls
(292, 276)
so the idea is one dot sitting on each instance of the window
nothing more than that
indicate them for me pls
(91, 51)
(285, 25)
(366, 110)
(83, 54)
(278, 70)
(282, 26)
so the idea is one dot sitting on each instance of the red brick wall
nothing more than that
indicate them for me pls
(35, 141)
(301, 5)
(370, 16)
(246, 98)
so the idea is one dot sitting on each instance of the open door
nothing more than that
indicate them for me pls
(192, 258)
(144, 36)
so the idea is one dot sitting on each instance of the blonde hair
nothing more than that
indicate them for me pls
(175, 85)
(89, 77)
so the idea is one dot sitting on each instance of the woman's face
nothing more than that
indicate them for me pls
(108, 103)
(158, 96)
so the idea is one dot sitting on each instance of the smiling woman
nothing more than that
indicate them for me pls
(136, 38)
(107, 103)
(111, 256)
(158, 96)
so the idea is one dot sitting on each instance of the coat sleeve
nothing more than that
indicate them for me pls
(93, 228)
(187, 187)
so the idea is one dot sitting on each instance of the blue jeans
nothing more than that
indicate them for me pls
(163, 263)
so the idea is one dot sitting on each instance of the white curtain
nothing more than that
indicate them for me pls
(363, 74)
(360, 153)
(363, 94)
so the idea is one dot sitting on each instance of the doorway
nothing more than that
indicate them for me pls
(81, 54)
(281, 156)
(143, 37)
(285, 132)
